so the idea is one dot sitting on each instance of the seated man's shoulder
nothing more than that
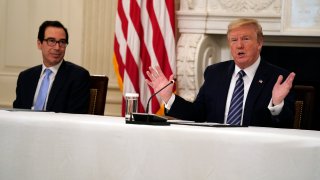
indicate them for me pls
(275, 69)
(220, 66)
(32, 70)
(74, 67)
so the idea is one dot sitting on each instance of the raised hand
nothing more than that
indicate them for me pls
(158, 80)
(281, 90)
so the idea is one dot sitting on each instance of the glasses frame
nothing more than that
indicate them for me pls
(52, 42)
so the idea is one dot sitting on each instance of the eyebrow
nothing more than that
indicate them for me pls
(55, 38)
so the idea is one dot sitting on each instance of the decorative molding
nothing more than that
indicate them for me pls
(208, 52)
(247, 6)
(195, 53)
(195, 5)
(189, 22)
(186, 58)
(267, 7)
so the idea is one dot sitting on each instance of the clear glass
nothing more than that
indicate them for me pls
(131, 105)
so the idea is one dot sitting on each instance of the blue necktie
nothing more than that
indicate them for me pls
(235, 110)
(42, 95)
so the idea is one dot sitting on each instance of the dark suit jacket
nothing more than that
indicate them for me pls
(210, 102)
(69, 92)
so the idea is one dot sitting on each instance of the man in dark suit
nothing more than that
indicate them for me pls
(68, 87)
(267, 100)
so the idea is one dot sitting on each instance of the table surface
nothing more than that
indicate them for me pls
(43, 145)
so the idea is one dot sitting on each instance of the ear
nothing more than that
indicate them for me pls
(39, 44)
(260, 44)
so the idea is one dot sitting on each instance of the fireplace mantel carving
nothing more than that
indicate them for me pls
(203, 25)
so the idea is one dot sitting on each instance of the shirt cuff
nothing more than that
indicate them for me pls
(275, 110)
(170, 102)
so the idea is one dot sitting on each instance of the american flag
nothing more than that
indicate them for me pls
(144, 36)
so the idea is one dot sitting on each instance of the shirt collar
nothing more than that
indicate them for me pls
(54, 68)
(250, 71)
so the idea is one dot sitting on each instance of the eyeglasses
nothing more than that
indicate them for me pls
(52, 42)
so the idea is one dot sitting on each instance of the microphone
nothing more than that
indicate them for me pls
(151, 119)
(147, 109)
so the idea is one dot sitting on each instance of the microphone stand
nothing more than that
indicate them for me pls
(147, 109)
(150, 119)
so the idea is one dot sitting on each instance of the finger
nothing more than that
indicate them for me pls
(149, 83)
(151, 70)
(154, 72)
(150, 76)
(279, 80)
(290, 78)
(153, 75)
(159, 71)
(289, 81)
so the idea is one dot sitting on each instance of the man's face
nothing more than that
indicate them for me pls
(244, 45)
(53, 54)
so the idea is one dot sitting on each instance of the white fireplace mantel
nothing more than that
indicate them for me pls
(203, 25)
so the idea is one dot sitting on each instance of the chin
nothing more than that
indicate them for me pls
(55, 61)
(242, 63)
(241, 60)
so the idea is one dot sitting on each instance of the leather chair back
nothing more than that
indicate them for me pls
(98, 94)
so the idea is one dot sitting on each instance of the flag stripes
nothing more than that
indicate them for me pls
(144, 36)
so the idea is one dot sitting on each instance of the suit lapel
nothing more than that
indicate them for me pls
(223, 90)
(57, 84)
(32, 85)
(260, 78)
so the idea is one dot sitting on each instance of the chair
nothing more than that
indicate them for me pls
(304, 106)
(98, 94)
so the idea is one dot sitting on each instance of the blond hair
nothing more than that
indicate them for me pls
(246, 22)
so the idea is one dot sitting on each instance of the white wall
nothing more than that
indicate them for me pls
(19, 23)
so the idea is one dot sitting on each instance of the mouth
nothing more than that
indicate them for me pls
(241, 54)
(55, 55)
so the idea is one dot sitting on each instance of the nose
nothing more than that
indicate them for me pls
(239, 44)
(57, 46)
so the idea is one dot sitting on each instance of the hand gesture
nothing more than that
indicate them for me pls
(281, 90)
(158, 81)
